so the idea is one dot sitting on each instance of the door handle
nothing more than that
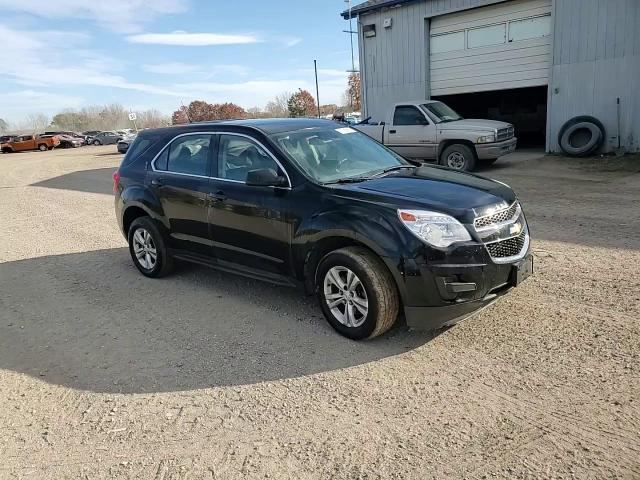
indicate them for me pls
(156, 182)
(392, 131)
(217, 197)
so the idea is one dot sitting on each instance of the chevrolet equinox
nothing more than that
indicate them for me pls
(311, 203)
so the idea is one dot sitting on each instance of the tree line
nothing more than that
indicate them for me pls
(115, 116)
(298, 104)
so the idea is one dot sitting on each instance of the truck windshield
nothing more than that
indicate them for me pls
(329, 155)
(441, 112)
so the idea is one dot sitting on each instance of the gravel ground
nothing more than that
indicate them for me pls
(106, 374)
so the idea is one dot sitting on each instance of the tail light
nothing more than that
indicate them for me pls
(116, 181)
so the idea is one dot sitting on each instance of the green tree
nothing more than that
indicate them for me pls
(302, 104)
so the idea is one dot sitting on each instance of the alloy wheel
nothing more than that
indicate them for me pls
(345, 296)
(145, 249)
(456, 161)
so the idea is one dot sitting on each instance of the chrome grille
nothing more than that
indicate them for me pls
(505, 134)
(498, 217)
(507, 248)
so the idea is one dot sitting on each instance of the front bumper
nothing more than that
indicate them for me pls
(495, 150)
(444, 295)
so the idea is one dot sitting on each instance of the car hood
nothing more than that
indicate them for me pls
(474, 124)
(433, 188)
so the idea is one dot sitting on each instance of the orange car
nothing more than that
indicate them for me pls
(30, 142)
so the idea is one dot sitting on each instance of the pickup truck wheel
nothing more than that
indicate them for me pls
(148, 248)
(357, 293)
(42, 147)
(458, 157)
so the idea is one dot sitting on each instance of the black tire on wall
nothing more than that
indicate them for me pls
(581, 136)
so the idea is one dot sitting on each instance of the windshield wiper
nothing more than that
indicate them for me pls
(348, 180)
(391, 169)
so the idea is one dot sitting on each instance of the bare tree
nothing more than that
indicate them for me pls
(152, 119)
(37, 122)
(279, 106)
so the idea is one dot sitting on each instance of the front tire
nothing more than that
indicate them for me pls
(357, 293)
(148, 248)
(42, 147)
(96, 142)
(458, 157)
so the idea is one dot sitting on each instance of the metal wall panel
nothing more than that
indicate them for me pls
(518, 64)
(596, 59)
(395, 62)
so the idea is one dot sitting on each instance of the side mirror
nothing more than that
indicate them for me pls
(265, 177)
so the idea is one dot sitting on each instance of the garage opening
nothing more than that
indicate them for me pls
(525, 108)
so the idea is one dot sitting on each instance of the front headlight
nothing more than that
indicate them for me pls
(486, 139)
(434, 228)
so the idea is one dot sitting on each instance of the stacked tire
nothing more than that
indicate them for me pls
(581, 136)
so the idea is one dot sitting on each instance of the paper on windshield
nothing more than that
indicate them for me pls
(345, 130)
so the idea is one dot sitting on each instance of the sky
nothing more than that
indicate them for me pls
(158, 54)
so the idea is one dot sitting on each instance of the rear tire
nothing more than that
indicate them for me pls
(357, 293)
(458, 157)
(148, 248)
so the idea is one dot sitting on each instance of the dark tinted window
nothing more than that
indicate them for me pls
(239, 155)
(409, 115)
(189, 154)
(163, 160)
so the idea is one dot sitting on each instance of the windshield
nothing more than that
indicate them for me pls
(441, 112)
(333, 154)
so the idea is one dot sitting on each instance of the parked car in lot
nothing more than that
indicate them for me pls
(66, 140)
(105, 138)
(123, 143)
(311, 203)
(91, 133)
(30, 142)
(430, 130)
(5, 139)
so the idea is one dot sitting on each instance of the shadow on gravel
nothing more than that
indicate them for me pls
(91, 181)
(90, 321)
(108, 154)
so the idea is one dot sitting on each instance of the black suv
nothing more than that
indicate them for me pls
(317, 204)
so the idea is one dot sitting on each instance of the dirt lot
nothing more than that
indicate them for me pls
(106, 374)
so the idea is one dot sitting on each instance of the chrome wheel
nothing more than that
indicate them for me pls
(345, 296)
(145, 249)
(456, 161)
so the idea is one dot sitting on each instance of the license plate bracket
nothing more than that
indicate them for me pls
(522, 270)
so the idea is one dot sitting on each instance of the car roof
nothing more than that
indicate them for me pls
(268, 126)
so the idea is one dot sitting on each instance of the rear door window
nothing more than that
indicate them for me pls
(189, 155)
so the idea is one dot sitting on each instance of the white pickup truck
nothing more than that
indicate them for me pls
(430, 130)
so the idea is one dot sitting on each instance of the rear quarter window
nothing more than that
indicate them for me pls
(139, 146)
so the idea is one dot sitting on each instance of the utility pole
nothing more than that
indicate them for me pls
(315, 67)
(351, 33)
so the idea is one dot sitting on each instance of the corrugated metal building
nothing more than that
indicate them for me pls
(535, 63)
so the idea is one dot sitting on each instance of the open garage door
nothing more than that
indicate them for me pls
(503, 46)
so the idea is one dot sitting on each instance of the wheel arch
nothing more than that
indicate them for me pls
(442, 146)
(332, 241)
(137, 202)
